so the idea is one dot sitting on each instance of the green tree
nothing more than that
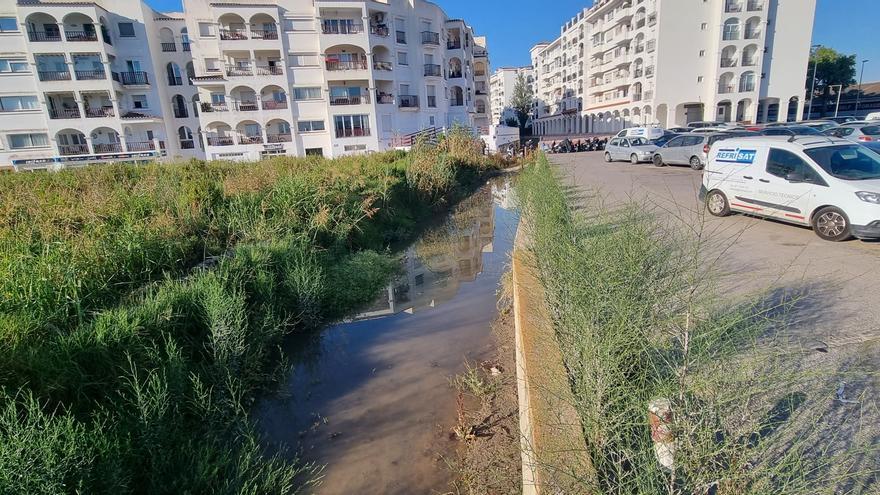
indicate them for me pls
(831, 68)
(522, 99)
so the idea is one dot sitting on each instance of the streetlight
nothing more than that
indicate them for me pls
(813, 88)
(839, 91)
(859, 94)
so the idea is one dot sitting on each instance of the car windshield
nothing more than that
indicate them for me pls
(847, 162)
(638, 141)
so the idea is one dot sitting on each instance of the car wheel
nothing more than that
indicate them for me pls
(832, 224)
(634, 159)
(696, 163)
(658, 161)
(716, 203)
(608, 157)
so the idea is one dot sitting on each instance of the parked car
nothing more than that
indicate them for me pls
(830, 185)
(873, 146)
(790, 130)
(679, 130)
(634, 149)
(688, 149)
(873, 116)
(819, 125)
(701, 124)
(703, 130)
(645, 132)
(842, 120)
(856, 132)
(663, 140)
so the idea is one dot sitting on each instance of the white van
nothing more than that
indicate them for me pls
(873, 116)
(649, 133)
(829, 184)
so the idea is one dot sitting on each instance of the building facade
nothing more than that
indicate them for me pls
(622, 63)
(503, 82)
(113, 80)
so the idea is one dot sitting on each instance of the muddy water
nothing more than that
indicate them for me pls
(370, 398)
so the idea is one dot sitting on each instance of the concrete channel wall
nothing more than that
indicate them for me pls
(554, 459)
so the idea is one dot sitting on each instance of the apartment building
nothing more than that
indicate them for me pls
(502, 83)
(115, 81)
(621, 63)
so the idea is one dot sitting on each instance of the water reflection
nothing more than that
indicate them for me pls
(370, 398)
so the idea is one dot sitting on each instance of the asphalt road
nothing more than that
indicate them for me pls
(835, 284)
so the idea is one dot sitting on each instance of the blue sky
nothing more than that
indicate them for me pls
(513, 26)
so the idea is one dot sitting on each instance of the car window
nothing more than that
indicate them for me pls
(781, 163)
(638, 141)
(777, 132)
(614, 142)
(675, 142)
(693, 140)
(871, 130)
(847, 162)
(624, 143)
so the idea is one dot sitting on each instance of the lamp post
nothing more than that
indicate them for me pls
(859, 93)
(839, 91)
(813, 87)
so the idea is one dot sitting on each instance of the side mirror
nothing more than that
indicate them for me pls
(795, 177)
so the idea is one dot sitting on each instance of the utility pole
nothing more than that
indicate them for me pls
(859, 93)
(839, 91)
(813, 87)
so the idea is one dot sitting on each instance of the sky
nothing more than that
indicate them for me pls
(514, 26)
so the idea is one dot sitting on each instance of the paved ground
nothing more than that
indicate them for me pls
(839, 281)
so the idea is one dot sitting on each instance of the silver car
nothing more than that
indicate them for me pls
(632, 149)
(856, 132)
(688, 149)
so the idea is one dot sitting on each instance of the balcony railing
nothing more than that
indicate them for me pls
(640, 48)
(346, 65)
(274, 105)
(54, 75)
(380, 30)
(342, 28)
(264, 34)
(181, 113)
(90, 75)
(221, 141)
(40, 36)
(749, 62)
(652, 19)
(140, 146)
(349, 100)
(383, 66)
(215, 107)
(384, 99)
(456, 103)
(430, 38)
(239, 71)
(187, 144)
(724, 89)
(636, 73)
(169, 47)
(454, 74)
(80, 36)
(637, 97)
(353, 132)
(175, 81)
(270, 70)
(250, 139)
(186, 46)
(73, 149)
(728, 62)
(649, 71)
(279, 138)
(433, 70)
(63, 113)
(453, 44)
(746, 87)
(479, 73)
(233, 34)
(753, 34)
(407, 101)
(109, 148)
(246, 106)
(731, 34)
(134, 78)
(97, 113)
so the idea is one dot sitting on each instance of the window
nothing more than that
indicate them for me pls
(8, 24)
(139, 101)
(14, 65)
(431, 121)
(314, 151)
(352, 125)
(782, 164)
(847, 162)
(18, 103)
(702, 53)
(699, 79)
(126, 30)
(679, 141)
(402, 58)
(307, 94)
(401, 37)
(20, 141)
(206, 30)
(212, 65)
(310, 126)
(218, 99)
(703, 26)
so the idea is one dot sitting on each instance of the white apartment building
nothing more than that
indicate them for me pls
(114, 80)
(621, 63)
(502, 83)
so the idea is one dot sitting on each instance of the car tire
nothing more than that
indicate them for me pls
(832, 224)
(607, 157)
(658, 161)
(717, 204)
(696, 163)
(634, 159)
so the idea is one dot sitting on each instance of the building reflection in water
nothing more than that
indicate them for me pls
(445, 256)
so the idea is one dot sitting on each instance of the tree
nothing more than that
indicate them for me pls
(522, 99)
(831, 68)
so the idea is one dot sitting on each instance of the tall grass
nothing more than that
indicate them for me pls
(143, 309)
(638, 318)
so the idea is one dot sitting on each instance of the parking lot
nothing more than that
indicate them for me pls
(839, 307)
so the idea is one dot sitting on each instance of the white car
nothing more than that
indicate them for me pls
(873, 116)
(649, 133)
(831, 185)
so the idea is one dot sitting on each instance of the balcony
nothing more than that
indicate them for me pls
(341, 27)
(649, 71)
(186, 46)
(279, 138)
(349, 100)
(385, 66)
(433, 70)
(134, 78)
(75, 36)
(728, 62)
(54, 75)
(214, 107)
(335, 65)
(250, 139)
(352, 132)
(233, 34)
(384, 99)
(110, 148)
(747, 87)
(169, 47)
(221, 141)
(636, 97)
(99, 113)
(380, 30)
(181, 113)
(652, 19)
(264, 34)
(733, 7)
(175, 81)
(43, 36)
(725, 89)
(456, 103)
(453, 45)
(73, 149)
(274, 105)
(756, 5)
(187, 144)
(64, 113)
(430, 38)
(749, 62)
(140, 146)
(90, 75)
(651, 46)
(270, 70)
(239, 71)
(753, 34)
(407, 101)
(640, 48)
(455, 74)
(246, 106)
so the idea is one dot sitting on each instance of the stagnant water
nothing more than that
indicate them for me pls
(371, 399)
